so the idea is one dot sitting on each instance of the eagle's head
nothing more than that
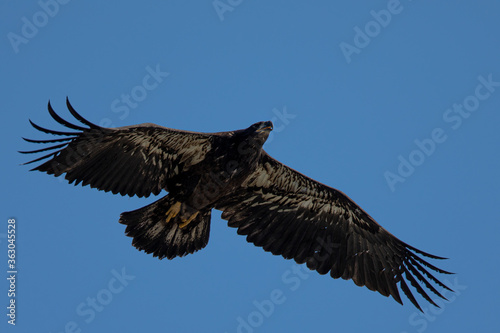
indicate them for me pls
(255, 136)
(260, 131)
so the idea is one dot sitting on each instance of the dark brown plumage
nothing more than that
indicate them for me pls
(276, 207)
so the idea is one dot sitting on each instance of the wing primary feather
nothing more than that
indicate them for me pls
(408, 294)
(428, 274)
(416, 285)
(424, 253)
(62, 121)
(79, 117)
(39, 159)
(425, 263)
(41, 129)
(420, 277)
(43, 149)
(50, 141)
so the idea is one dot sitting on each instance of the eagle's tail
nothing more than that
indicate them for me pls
(152, 233)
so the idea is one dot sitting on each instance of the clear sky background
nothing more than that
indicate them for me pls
(354, 95)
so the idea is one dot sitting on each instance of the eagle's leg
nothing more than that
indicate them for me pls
(185, 222)
(173, 211)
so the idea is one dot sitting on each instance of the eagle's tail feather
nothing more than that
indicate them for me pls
(153, 234)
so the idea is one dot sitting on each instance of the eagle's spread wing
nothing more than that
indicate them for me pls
(134, 160)
(297, 217)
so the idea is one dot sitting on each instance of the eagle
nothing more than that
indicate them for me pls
(274, 206)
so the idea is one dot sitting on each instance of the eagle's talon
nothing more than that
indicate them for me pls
(185, 223)
(173, 211)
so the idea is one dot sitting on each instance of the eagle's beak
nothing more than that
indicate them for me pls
(267, 128)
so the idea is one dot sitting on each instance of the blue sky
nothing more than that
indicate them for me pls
(394, 103)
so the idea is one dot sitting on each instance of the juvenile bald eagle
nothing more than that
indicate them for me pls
(276, 207)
